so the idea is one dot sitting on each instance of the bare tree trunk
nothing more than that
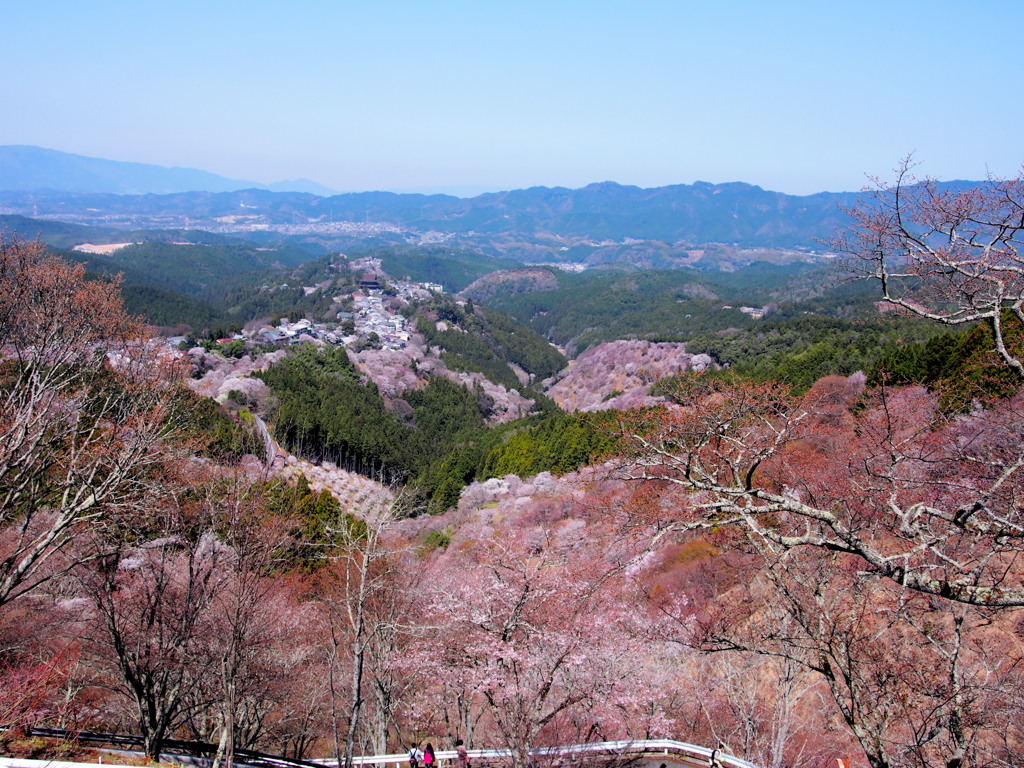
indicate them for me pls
(218, 758)
(225, 757)
(359, 604)
(358, 655)
(381, 717)
(334, 699)
(359, 640)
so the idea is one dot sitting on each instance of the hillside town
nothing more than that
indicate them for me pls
(370, 321)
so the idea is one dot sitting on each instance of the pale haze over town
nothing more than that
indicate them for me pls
(466, 97)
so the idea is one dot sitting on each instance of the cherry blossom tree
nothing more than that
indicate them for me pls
(933, 506)
(151, 589)
(245, 610)
(543, 644)
(364, 614)
(31, 688)
(765, 710)
(442, 696)
(86, 401)
(299, 679)
(889, 542)
(391, 683)
(916, 681)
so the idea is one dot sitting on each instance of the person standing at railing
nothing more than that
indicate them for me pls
(429, 761)
(715, 761)
(415, 755)
(461, 755)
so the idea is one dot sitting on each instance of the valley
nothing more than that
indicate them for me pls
(515, 503)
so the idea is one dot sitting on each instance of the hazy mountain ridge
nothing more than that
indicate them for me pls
(600, 214)
(29, 168)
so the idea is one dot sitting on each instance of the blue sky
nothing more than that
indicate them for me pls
(436, 94)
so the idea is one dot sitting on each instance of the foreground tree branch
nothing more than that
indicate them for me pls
(947, 255)
(934, 507)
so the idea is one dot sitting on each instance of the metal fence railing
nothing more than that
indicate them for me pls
(606, 749)
(602, 750)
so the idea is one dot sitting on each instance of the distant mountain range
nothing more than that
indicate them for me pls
(599, 223)
(595, 216)
(32, 169)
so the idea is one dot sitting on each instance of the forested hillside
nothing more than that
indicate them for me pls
(485, 341)
(436, 441)
(591, 307)
(799, 349)
(449, 267)
(793, 324)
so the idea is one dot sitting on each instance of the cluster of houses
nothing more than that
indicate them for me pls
(758, 312)
(301, 331)
(755, 312)
(371, 316)
(368, 315)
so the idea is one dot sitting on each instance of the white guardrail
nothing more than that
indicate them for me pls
(652, 748)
